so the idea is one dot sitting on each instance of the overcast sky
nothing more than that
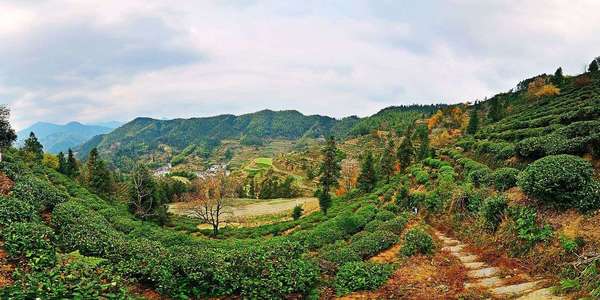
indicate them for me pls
(115, 60)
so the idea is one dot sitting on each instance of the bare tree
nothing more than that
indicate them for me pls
(142, 202)
(209, 201)
(349, 174)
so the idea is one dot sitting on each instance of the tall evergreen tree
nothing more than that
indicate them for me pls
(62, 163)
(388, 160)
(558, 77)
(495, 112)
(473, 122)
(330, 172)
(72, 167)
(367, 178)
(33, 147)
(7, 134)
(423, 134)
(593, 66)
(406, 151)
(99, 178)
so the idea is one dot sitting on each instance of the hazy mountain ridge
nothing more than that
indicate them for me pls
(56, 137)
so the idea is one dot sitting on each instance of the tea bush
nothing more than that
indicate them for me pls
(78, 228)
(39, 193)
(561, 181)
(339, 254)
(480, 177)
(384, 215)
(395, 225)
(492, 210)
(34, 241)
(13, 210)
(505, 178)
(421, 177)
(372, 243)
(417, 241)
(69, 279)
(356, 276)
(373, 225)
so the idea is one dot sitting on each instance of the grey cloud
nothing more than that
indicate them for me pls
(77, 51)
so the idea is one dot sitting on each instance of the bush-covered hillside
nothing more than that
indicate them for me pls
(495, 200)
(148, 138)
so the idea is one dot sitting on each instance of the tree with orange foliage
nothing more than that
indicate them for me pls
(435, 119)
(538, 88)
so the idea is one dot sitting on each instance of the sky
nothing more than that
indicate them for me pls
(93, 61)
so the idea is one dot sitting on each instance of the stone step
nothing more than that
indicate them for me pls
(545, 293)
(489, 282)
(515, 289)
(475, 265)
(467, 258)
(454, 249)
(482, 273)
(451, 242)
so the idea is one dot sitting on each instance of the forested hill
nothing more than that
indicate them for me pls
(146, 135)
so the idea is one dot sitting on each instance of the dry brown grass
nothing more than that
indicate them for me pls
(422, 277)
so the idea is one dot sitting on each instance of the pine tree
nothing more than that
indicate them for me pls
(33, 147)
(330, 172)
(367, 178)
(558, 76)
(62, 163)
(473, 122)
(72, 168)
(495, 112)
(7, 134)
(423, 133)
(594, 66)
(388, 161)
(406, 151)
(99, 178)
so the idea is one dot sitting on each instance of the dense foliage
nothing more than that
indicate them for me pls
(355, 276)
(563, 181)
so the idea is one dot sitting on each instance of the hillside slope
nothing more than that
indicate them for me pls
(149, 139)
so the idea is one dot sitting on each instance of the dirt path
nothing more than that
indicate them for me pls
(498, 282)
(6, 268)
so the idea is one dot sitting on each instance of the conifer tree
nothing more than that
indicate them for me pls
(33, 147)
(406, 151)
(72, 168)
(423, 133)
(62, 163)
(99, 178)
(473, 122)
(388, 160)
(367, 178)
(495, 112)
(594, 66)
(7, 134)
(558, 76)
(330, 172)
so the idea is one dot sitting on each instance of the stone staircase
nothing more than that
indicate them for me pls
(486, 277)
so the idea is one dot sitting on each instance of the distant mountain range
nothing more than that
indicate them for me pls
(143, 137)
(56, 137)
